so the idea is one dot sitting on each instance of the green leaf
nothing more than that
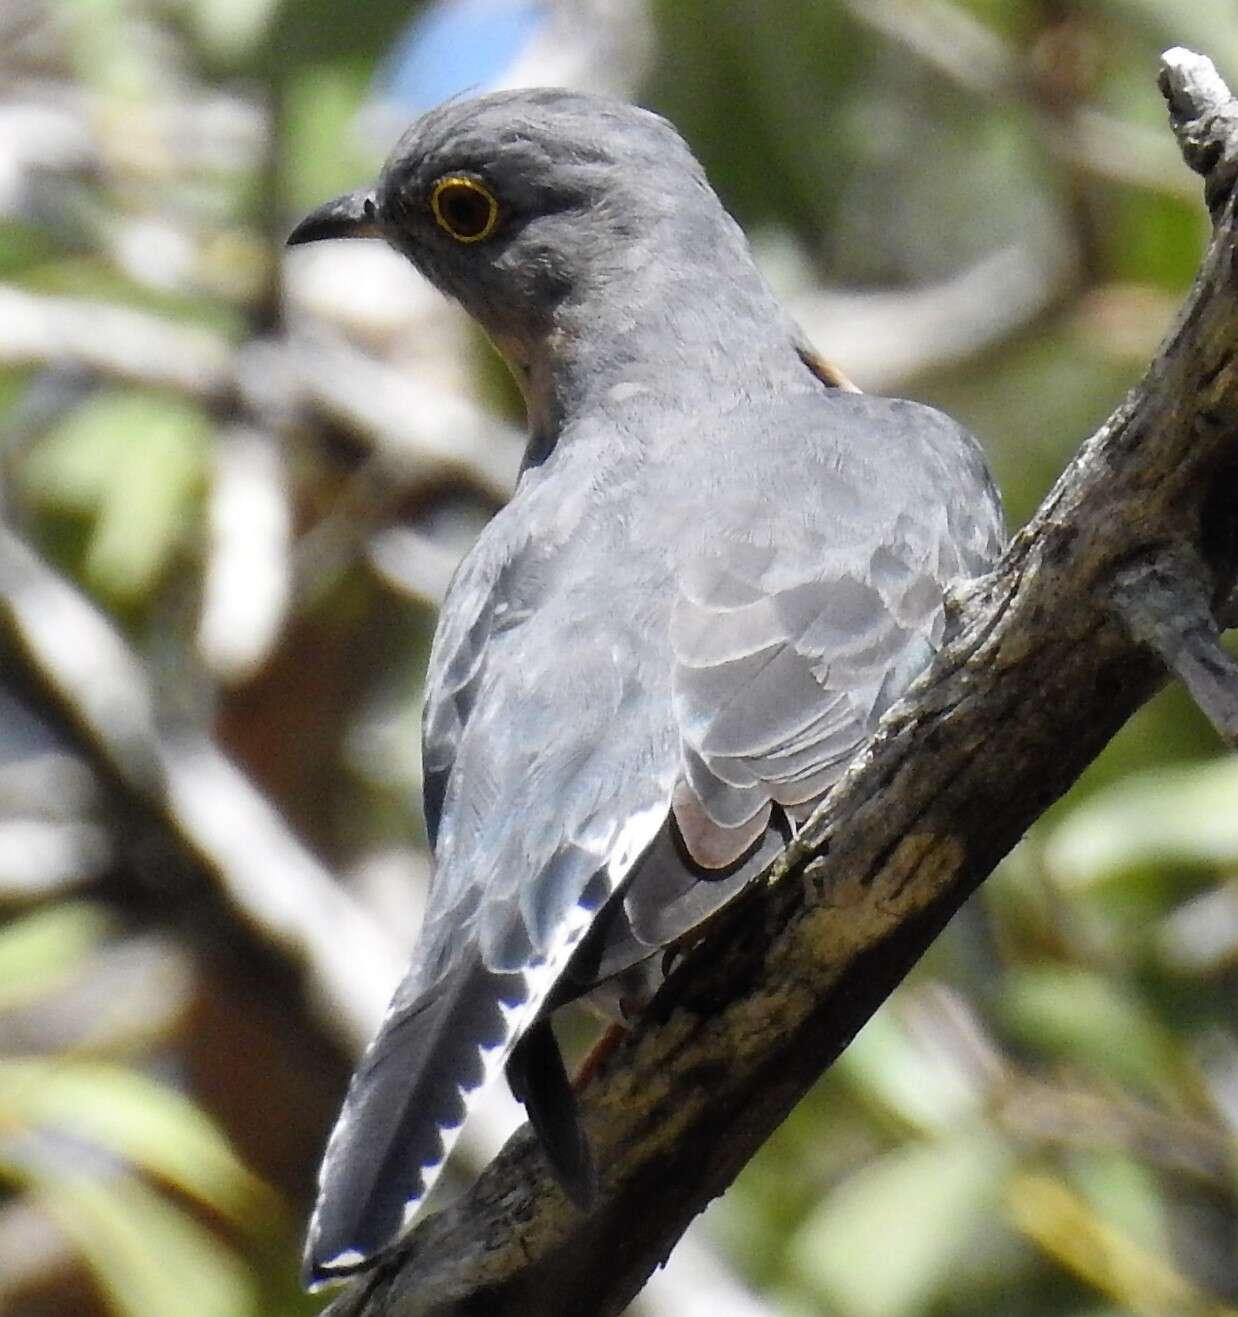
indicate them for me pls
(131, 1116)
(1124, 1193)
(886, 1242)
(230, 30)
(133, 462)
(148, 1256)
(1086, 1018)
(923, 1088)
(40, 950)
(1185, 815)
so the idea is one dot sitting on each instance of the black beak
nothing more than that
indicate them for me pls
(354, 215)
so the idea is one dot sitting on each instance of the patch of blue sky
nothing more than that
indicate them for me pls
(456, 46)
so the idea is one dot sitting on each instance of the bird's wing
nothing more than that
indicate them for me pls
(805, 605)
(552, 772)
(454, 674)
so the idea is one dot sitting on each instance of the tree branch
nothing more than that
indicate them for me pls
(411, 428)
(1040, 670)
(1164, 606)
(177, 797)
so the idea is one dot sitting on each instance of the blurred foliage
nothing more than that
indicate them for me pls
(1044, 1120)
(127, 468)
(1063, 1134)
(136, 1180)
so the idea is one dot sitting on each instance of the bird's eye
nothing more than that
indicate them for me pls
(465, 208)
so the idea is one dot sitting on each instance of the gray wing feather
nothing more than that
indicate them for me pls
(540, 822)
(809, 601)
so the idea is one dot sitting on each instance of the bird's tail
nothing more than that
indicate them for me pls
(437, 1050)
(412, 1092)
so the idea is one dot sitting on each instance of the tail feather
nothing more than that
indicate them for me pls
(434, 1055)
(404, 1111)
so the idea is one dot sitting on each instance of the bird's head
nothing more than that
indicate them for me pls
(513, 202)
(584, 237)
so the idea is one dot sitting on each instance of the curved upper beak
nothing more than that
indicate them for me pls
(354, 215)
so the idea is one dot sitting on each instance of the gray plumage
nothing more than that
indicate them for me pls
(715, 575)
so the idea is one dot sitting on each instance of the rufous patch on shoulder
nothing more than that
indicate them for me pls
(827, 372)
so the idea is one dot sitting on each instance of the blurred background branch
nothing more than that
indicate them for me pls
(234, 485)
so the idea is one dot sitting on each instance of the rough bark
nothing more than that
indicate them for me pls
(1121, 572)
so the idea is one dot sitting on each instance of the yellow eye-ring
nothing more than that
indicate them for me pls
(465, 208)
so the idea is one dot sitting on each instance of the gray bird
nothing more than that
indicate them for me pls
(717, 571)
